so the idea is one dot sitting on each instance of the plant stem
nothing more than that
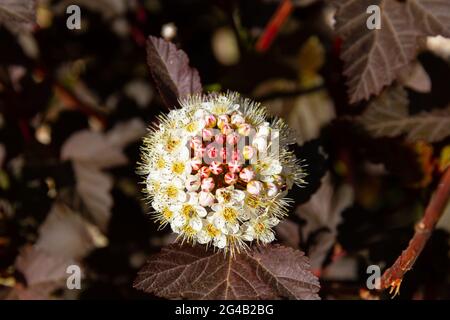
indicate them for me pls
(74, 102)
(276, 22)
(393, 276)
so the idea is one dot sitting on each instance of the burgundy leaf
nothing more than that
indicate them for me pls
(375, 58)
(270, 272)
(288, 233)
(322, 214)
(44, 273)
(388, 116)
(18, 15)
(171, 72)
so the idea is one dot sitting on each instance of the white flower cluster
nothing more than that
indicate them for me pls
(217, 172)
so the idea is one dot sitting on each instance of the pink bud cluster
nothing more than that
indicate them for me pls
(229, 165)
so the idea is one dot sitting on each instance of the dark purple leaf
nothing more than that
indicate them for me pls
(270, 272)
(171, 72)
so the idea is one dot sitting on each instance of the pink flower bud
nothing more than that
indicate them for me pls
(208, 184)
(244, 129)
(204, 172)
(199, 152)
(216, 168)
(207, 134)
(248, 152)
(236, 156)
(205, 199)
(226, 129)
(247, 174)
(237, 119)
(195, 142)
(219, 139)
(232, 138)
(230, 178)
(271, 189)
(223, 154)
(212, 152)
(222, 120)
(254, 187)
(210, 121)
(196, 163)
(234, 166)
(192, 183)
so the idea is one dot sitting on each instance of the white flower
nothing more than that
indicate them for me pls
(192, 183)
(180, 168)
(190, 210)
(194, 127)
(172, 142)
(260, 229)
(229, 195)
(254, 187)
(269, 167)
(226, 218)
(173, 191)
(264, 130)
(209, 175)
(260, 143)
(211, 233)
(206, 199)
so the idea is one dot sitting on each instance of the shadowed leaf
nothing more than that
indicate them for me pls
(322, 214)
(65, 234)
(18, 15)
(44, 273)
(374, 58)
(171, 72)
(387, 116)
(288, 233)
(270, 272)
(90, 152)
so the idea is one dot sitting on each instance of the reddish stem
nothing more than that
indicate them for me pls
(274, 25)
(393, 276)
(72, 101)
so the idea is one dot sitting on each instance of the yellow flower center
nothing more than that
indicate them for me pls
(259, 227)
(172, 192)
(226, 195)
(212, 231)
(229, 214)
(178, 168)
(191, 127)
(172, 143)
(220, 109)
(167, 214)
(252, 202)
(189, 231)
(188, 211)
(160, 163)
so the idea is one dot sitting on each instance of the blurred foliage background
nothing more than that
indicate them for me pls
(74, 105)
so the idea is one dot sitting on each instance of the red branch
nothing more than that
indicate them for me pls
(72, 101)
(393, 276)
(272, 29)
